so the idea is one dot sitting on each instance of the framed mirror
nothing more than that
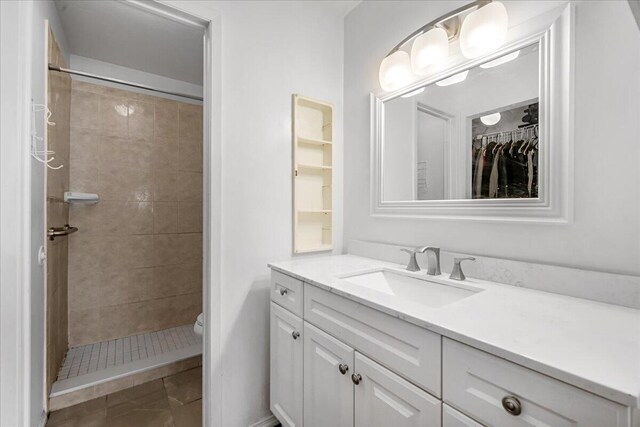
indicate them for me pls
(483, 139)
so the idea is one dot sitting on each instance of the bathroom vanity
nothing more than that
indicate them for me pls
(357, 341)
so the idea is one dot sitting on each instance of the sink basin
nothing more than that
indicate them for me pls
(411, 288)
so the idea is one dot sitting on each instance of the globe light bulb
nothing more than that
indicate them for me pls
(484, 30)
(429, 51)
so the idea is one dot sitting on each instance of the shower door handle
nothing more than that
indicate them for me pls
(54, 232)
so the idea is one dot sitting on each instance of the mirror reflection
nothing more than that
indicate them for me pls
(473, 135)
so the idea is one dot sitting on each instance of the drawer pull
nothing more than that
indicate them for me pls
(283, 291)
(343, 368)
(512, 405)
(295, 335)
(356, 378)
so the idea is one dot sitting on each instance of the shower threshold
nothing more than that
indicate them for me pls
(92, 364)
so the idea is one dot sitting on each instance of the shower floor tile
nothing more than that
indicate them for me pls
(90, 358)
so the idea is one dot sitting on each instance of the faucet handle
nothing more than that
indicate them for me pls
(456, 273)
(413, 263)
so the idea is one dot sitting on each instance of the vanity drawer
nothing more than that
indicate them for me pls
(287, 292)
(476, 383)
(406, 349)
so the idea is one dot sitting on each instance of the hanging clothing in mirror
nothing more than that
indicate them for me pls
(504, 154)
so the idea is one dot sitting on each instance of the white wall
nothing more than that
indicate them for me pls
(605, 234)
(42, 10)
(89, 65)
(270, 50)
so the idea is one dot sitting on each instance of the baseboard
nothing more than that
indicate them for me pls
(269, 421)
(43, 419)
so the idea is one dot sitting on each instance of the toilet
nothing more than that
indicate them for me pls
(198, 327)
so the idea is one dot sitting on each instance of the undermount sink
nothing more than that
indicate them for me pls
(407, 287)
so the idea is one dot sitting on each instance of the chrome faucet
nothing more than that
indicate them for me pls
(457, 273)
(433, 259)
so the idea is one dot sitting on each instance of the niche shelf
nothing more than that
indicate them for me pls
(312, 175)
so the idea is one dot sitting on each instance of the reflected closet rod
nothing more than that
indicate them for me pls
(121, 82)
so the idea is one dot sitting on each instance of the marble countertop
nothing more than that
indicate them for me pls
(591, 345)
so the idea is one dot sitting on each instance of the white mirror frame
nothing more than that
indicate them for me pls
(553, 31)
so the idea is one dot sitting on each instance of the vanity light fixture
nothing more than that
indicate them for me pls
(481, 26)
(502, 60)
(484, 30)
(395, 71)
(429, 50)
(456, 78)
(490, 119)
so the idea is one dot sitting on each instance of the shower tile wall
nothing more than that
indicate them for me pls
(59, 103)
(135, 265)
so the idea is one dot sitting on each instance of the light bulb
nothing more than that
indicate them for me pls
(429, 51)
(395, 71)
(490, 119)
(484, 30)
(456, 78)
(502, 60)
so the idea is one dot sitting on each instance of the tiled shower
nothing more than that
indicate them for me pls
(133, 271)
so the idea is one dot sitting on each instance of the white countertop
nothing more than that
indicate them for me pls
(588, 344)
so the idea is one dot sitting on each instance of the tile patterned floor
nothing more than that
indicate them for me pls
(173, 401)
(94, 357)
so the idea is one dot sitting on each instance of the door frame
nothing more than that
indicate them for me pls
(15, 213)
(16, 253)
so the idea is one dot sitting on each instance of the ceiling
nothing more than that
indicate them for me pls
(130, 36)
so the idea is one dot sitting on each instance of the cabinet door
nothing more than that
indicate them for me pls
(384, 399)
(286, 366)
(453, 418)
(328, 390)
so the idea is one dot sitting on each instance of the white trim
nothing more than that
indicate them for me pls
(554, 33)
(269, 421)
(212, 205)
(70, 385)
(43, 419)
(168, 12)
(212, 225)
(15, 213)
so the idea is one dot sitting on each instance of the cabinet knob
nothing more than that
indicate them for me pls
(512, 405)
(295, 335)
(343, 368)
(283, 291)
(356, 378)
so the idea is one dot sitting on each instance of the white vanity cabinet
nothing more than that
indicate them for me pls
(343, 388)
(500, 393)
(336, 362)
(384, 399)
(286, 366)
(328, 388)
